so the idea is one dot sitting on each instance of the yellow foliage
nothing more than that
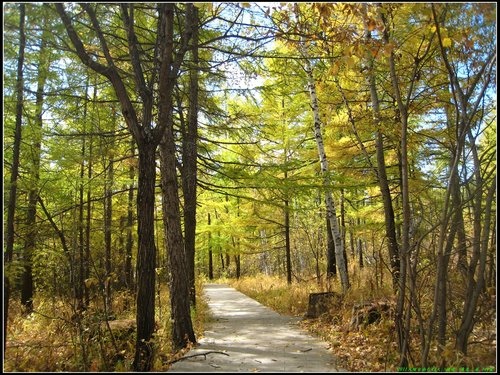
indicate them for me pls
(447, 42)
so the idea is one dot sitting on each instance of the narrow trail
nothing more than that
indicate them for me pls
(245, 336)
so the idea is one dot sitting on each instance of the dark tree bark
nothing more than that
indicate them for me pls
(189, 162)
(146, 258)
(11, 208)
(287, 243)
(129, 275)
(360, 252)
(237, 261)
(108, 216)
(182, 329)
(331, 264)
(210, 254)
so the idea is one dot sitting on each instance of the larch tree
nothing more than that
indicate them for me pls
(153, 77)
(34, 160)
(14, 176)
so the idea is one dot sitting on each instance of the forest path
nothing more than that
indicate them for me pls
(245, 336)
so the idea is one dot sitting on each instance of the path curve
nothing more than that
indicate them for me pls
(245, 336)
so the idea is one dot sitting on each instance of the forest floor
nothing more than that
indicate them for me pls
(245, 336)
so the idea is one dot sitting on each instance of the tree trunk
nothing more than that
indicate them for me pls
(82, 294)
(108, 216)
(189, 161)
(129, 275)
(331, 264)
(210, 255)
(405, 195)
(146, 258)
(11, 208)
(330, 206)
(182, 329)
(88, 224)
(360, 252)
(80, 286)
(397, 259)
(30, 242)
(238, 266)
(287, 243)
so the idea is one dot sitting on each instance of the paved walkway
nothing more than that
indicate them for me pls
(245, 336)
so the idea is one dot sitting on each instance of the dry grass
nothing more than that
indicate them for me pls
(276, 293)
(49, 340)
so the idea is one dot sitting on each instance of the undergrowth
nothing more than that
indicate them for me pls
(51, 339)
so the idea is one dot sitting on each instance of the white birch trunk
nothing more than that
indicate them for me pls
(330, 205)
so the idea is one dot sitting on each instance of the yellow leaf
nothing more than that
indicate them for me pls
(446, 42)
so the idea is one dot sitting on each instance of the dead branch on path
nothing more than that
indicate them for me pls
(196, 355)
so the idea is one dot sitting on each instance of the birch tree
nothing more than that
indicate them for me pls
(329, 202)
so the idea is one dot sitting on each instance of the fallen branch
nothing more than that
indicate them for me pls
(196, 355)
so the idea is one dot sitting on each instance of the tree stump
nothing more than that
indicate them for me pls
(320, 303)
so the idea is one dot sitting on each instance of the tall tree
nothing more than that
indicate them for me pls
(340, 259)
(10, 234)
(44, 60)
(152, 90)
(190, 159)
(182, 329)
(394, 254)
